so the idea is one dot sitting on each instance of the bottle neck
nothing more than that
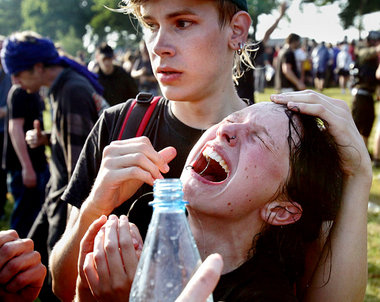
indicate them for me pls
(168, 194)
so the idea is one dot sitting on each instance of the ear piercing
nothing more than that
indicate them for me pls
(239, 51)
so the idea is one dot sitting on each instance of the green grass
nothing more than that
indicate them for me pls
(373, 286)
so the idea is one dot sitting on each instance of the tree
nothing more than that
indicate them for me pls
(70, 43)
(10, 16)
(105, 21)
(51, 17)
(351, 9)
(258, 7)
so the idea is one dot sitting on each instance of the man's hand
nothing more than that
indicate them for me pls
(35, 137)
(29, 178)
(125, 166)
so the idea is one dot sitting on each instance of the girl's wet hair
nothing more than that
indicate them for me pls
(315, 182)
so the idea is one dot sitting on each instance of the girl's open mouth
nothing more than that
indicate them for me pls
(211, 166)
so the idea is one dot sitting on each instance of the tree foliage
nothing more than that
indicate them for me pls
(10, 16)
(105, 20)
(351, 9)
(258, 7)
(51, 17)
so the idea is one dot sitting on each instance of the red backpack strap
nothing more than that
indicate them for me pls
(126, 119)
(139, 114)
(148, 114)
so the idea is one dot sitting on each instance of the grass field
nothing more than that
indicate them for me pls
(373, 287)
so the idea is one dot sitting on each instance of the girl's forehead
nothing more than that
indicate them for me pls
(259, 110)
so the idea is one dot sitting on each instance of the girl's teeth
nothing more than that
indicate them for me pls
(210, 153)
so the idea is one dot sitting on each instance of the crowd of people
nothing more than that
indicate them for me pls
(273, 219)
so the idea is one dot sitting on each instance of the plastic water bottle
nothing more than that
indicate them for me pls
(170, 256)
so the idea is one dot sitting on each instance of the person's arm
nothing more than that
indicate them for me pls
(125, 166)
(21, 271)
(288, 72)
(16, 133)
(334, 280)
(270, 30)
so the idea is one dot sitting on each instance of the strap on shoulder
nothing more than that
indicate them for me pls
(138, 115)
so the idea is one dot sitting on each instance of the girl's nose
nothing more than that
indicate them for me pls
(228, 133)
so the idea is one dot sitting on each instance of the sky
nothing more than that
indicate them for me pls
(319, 23)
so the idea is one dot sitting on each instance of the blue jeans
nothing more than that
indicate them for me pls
(27, 201)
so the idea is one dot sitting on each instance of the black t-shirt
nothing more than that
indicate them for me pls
(74, 113)
(164, 129)
(118, 86)
(28, 106)
(286, 56)
(260, 279)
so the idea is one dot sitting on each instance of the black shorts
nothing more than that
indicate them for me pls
(343, 72)
(320, 74)
(363, 112)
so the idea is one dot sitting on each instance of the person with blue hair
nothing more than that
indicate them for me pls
(75, 95)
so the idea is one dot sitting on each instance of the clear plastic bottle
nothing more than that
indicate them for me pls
(170, 255)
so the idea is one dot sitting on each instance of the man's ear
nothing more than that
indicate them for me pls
(281, 212)
(239, 24)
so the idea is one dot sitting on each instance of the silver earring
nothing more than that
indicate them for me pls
(240, 49)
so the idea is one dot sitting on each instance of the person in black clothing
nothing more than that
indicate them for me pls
(28, 168)
(258, 194)
(117, 83)
(76, 102)
(288, 76)
(364, 83)
(191, 43)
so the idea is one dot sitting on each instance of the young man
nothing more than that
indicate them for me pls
(287, 75)
(117, 83)
(28, 168)
(33, 62)
(180, 35)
